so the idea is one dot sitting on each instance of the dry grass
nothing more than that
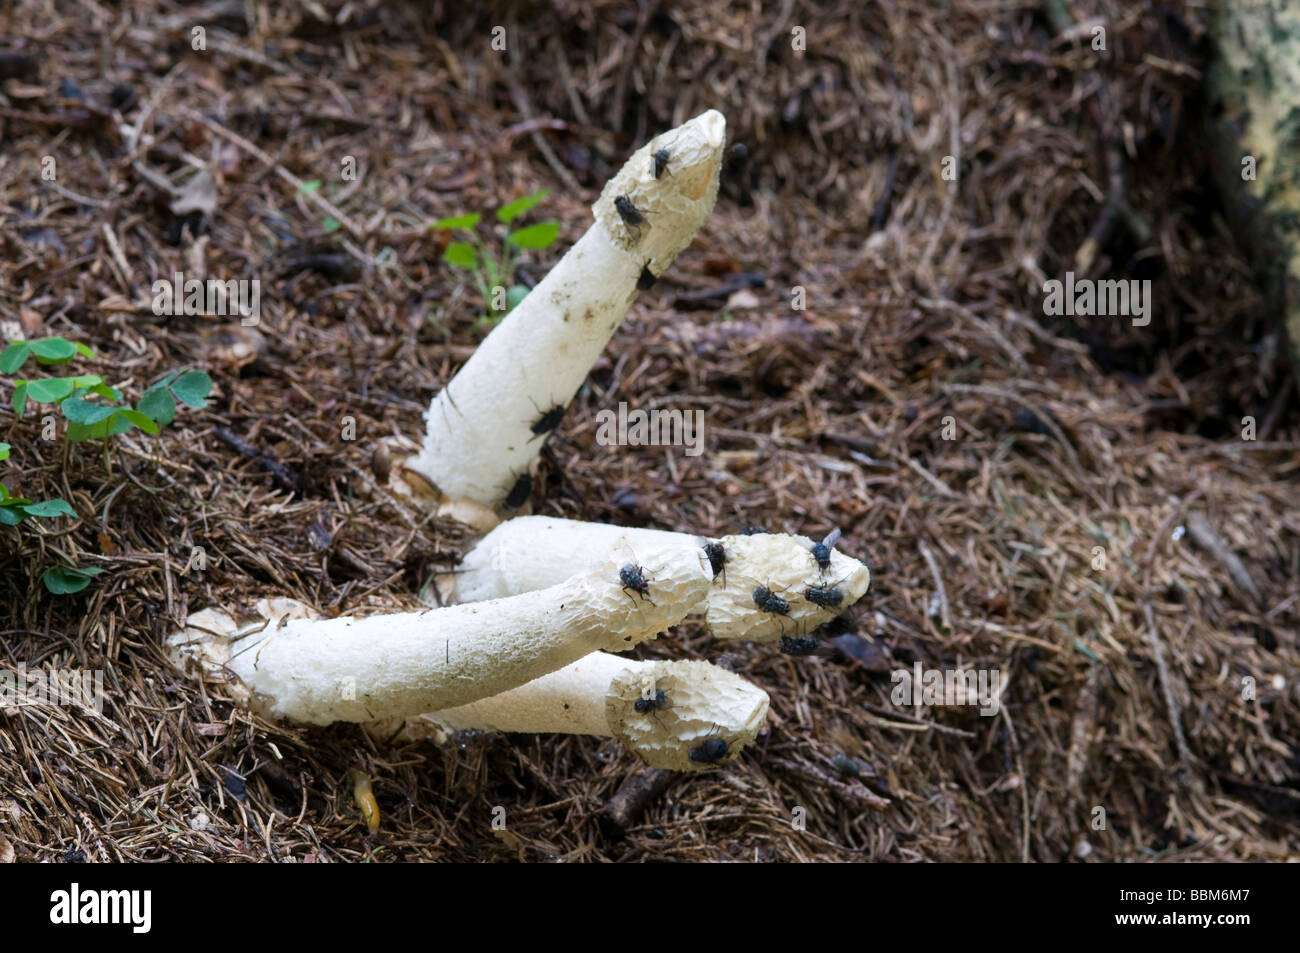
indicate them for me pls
(924, 304)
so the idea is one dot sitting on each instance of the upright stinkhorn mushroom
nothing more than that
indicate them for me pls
(673, 715)
(320, 671)
(487, 425)
(533, 552)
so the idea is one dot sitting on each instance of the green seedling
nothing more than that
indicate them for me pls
(65, 580)
(88, 419)
(14, 509)
(491, 271)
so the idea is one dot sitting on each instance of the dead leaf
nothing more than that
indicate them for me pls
(32, 320)
(742, 299)
(231, 348)
(199, 194)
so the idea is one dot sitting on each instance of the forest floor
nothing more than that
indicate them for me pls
(1058, 499)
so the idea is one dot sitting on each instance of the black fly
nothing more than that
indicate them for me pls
(629, 212)
(659, 162)
(520, 492)
(769, 601)
(822, 551)
(737, 162)
(827, 598)
(799, 645)
(633, 577)
(753, 531)
(548, 421)
(651, 705)
(658, 702)
(717, 554)
(710, 751)
(647, 279)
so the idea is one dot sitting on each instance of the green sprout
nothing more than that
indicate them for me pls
(87, 419)
(490, 271)
(93, 420)
(14, 509)
(65, 580)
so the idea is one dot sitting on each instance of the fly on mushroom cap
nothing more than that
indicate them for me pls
(633, 577)
(709, 751)
(531, 552)
(769, 601)
(822, 551)
(630, 214)
(717, 554)
(659, 162)
(708, 708)
(827, 598)
(656, 702)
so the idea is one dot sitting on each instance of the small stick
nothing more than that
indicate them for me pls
(1205, 537)
(285, 477)
(938, 585)
(633, 796)
(1157, 648)
(855, 795)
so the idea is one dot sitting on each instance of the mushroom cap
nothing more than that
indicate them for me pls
(674, 205)
(704, 701)
(784, 565)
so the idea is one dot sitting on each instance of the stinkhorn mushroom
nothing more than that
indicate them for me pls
(319, 671)
(487, 425)
(673, 714)
(766, 586)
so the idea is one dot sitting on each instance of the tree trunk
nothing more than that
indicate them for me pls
(1255, 87)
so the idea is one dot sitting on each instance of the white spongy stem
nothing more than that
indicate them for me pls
(533, 552)
(479, 440)
(597, 695)
(320, 671)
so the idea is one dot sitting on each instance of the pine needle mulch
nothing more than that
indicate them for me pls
(1066, 500)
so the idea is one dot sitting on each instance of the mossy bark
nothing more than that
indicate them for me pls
(1255, 87)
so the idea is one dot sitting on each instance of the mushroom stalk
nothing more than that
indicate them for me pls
(489, 422)
(682, 705)
(320, 671)
(533, 552)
